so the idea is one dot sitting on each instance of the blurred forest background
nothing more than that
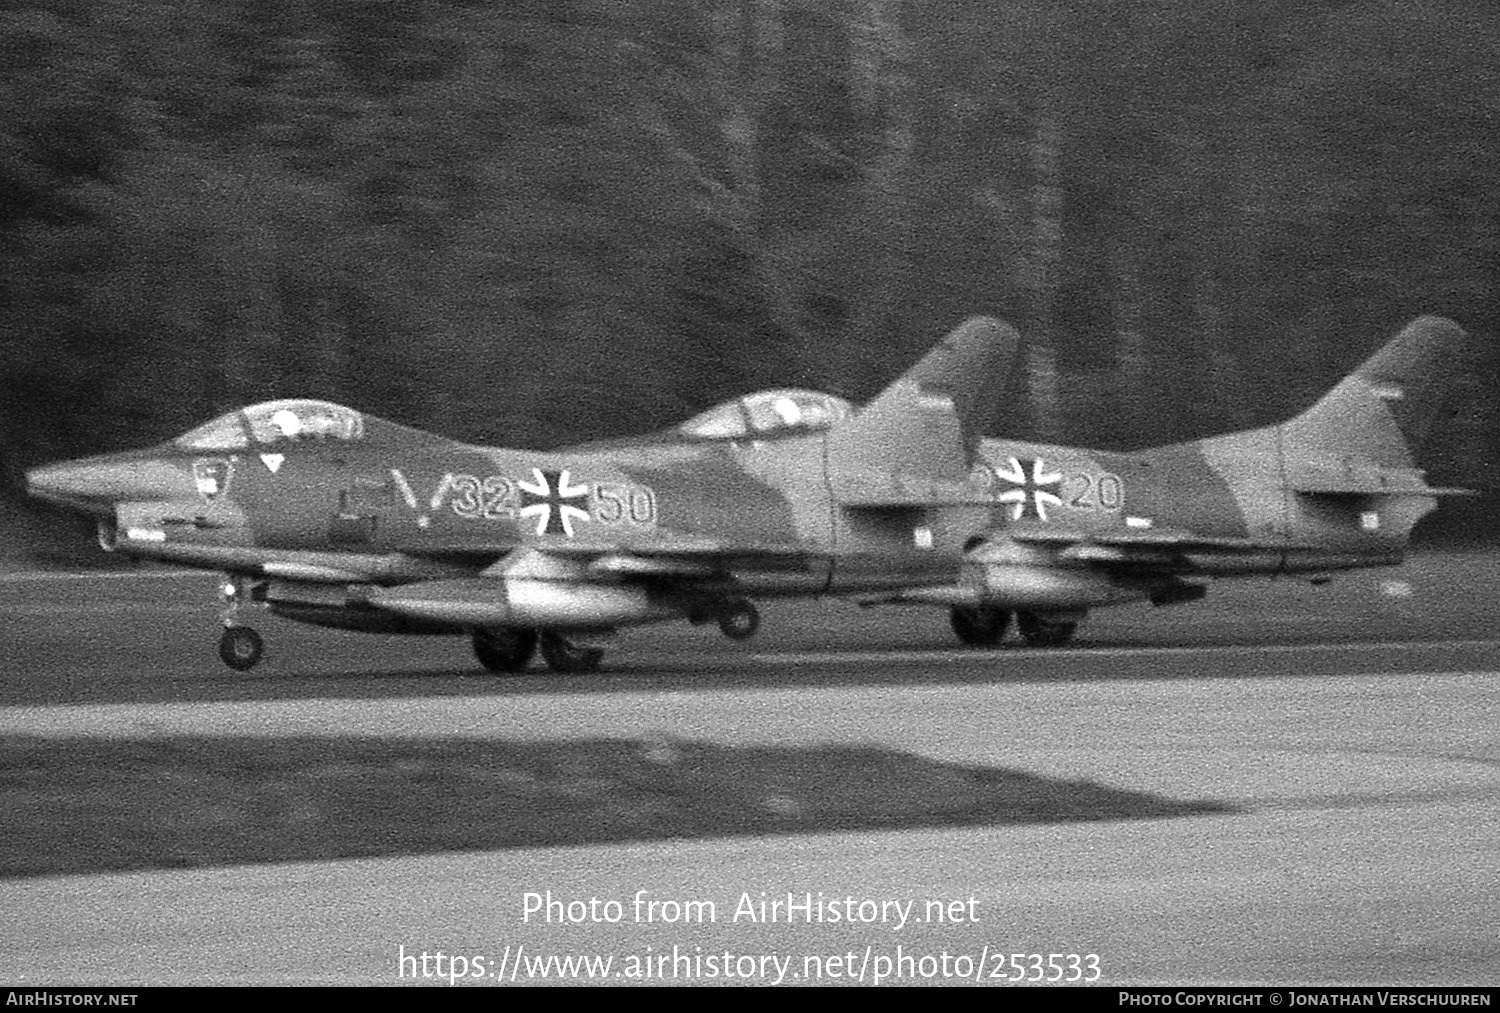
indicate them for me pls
(532, 222)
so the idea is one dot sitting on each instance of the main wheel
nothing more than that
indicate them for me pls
(504, 649)
(240, 648)
(1044, 631)
(739, 620)
(563, 655)
(979, 625)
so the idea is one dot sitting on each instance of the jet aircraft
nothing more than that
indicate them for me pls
(326, 515)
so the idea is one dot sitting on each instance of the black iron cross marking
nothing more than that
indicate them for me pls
(1034, 488)
(554, 501)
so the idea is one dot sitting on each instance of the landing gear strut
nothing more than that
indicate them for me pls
(240, 647)
(504, 649)
(562, 655)
(980, 625)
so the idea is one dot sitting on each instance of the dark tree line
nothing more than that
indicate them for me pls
(544, 220)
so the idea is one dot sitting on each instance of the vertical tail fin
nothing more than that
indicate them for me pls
(967, 367)
(1383, 411)
(927, 422)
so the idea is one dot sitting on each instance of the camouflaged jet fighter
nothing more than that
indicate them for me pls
(329, 516)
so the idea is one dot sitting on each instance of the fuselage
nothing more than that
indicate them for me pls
(333, 517)
(390, 504)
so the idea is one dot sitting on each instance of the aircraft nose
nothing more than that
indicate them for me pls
(97, 484)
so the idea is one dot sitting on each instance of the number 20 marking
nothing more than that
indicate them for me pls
(1091, 492)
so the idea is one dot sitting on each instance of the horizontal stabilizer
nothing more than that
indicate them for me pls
(1351, 489)
(1364, 478)
(1344, 488)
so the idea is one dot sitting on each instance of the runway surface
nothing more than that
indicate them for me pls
(1350, 727)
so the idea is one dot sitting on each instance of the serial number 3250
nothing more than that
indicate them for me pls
(500, 497)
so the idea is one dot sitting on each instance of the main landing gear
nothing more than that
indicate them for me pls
(1044, 630)
(562, 655)
(504, 650)
(510, 650)
(240, 647)
(738, 618)
(980, 625)
(985, 626)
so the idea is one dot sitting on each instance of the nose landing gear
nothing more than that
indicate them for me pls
(240, 647)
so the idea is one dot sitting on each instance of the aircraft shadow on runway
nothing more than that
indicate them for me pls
(83, 805)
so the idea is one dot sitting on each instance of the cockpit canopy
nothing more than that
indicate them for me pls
(270, 423)
(766, 413)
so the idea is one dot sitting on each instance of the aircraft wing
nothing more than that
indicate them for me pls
(653, 553)
(1143, 543)
(577, 586)
(622, 560)
(687, 558)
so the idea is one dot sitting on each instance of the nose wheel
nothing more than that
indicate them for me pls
(240, 647)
